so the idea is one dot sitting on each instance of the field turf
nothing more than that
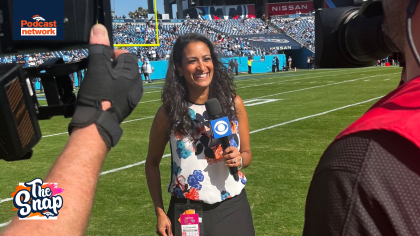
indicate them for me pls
(293, 116)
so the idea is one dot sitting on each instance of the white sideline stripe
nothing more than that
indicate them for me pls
(325, 71)
(153, 91)
(127, 121)
(347, 71)
(318, 114)
(151, 101)
(292, 91)
(322, 71)
(129, 166)
(5, 224)
(254, 131)
(320, 86)
(256, 80)
(312, 76)
(51, 135)
(286, 76)
(6, 200)
(255, 102)
(144, 118)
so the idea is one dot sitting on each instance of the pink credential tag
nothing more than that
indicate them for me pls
(190, 225)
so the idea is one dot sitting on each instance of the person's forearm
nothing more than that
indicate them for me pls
(76, 171)
(246, 159)
(155, 189)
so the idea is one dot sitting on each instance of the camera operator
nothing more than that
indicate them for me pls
(94, 129)
(367, 181)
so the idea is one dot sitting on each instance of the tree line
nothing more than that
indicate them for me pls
(136, 14)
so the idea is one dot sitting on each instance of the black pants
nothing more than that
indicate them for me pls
(278, 69)
(236, 70)
(147, 77)
(249, 69)
(309, 66)
(273, 68)
(230, 217)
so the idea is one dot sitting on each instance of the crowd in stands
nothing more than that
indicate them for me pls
(301, 29)
(232, 47)
(36, 59)
(227, 45)
(127, 33)
(241, 26)
(226, 35)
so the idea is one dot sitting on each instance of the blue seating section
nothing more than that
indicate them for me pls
(302, 29)
(225, 34)
(241, 27)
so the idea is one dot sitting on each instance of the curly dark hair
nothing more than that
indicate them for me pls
(175, 92)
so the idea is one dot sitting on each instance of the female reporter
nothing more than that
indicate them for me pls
(200, 168)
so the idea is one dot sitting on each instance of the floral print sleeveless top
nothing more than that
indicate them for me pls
(198, 171)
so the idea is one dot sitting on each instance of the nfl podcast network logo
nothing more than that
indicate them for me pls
(38, 19)
(39, 27)
(36, 200)
(220, 127)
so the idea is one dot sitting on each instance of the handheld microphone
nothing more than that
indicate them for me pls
(220, 127)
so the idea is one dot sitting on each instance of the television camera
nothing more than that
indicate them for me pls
(19, 106)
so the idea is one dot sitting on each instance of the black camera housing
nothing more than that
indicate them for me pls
(19, 107)
(349, 37)
(19, 128)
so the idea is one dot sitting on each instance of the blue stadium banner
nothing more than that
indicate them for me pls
(222, 12)
(38, 19)
(272, 41)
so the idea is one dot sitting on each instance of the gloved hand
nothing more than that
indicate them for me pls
(114, 79)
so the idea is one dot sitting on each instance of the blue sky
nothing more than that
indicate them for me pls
(125, 6)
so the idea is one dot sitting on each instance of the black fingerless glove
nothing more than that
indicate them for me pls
(117, 81)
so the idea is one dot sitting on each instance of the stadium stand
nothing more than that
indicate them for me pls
(241, 27)
(226, 35)
(36, 59)
(302, 29)
(216, 30)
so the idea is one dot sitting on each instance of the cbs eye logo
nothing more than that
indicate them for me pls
(221, 127)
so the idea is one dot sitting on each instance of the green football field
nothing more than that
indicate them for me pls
(293, 116)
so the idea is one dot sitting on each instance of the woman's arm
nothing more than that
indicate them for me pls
(243, 132)
(157, 142)
(232, 155)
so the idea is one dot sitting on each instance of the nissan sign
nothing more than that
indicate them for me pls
(289, 8)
